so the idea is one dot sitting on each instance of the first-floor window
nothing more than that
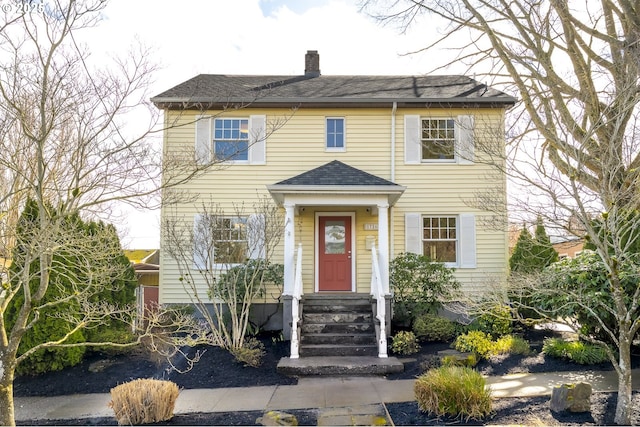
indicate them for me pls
(231, 139)
(440, 238)
(219, 240)
(229, 240)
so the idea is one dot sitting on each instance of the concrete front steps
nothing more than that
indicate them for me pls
(338, 337)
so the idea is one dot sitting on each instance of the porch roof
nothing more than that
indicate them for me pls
(336, 178)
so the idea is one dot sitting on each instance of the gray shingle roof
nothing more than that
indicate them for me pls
(212, 89)
(336, 173)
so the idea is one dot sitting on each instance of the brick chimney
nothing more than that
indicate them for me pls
(312, 64)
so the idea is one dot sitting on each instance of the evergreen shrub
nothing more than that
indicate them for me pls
(405, 342)
(431, 327)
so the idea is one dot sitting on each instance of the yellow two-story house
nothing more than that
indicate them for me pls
(362, 167)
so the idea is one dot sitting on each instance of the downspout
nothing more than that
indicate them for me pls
(394, 108)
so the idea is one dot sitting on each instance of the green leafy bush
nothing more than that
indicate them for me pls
(453, 391)
(476, 342)
(419, 286)
(571, 285)
(496, 320)
(577, 351)
(512, 345)
(481, 344)
(430, 327)
(405, 342)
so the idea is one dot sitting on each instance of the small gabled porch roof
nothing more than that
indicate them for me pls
(336, 178)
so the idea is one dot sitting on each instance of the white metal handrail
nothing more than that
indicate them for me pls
(377, 291)
(295, 306)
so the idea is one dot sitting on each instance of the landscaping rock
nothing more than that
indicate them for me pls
(277, 418)
(571, 398)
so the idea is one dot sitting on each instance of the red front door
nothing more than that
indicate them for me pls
(334, 257)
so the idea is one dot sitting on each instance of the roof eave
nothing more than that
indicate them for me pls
(279, 191)
(173, 103)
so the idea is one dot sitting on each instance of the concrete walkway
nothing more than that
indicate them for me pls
(342, 396)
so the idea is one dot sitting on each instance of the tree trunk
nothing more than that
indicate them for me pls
(7, 415)
(623, 407)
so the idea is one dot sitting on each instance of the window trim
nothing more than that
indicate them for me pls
(326, 134)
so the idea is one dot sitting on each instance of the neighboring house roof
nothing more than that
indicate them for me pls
(210, 90)
(336, 177)
(150, 256)
(141, 267)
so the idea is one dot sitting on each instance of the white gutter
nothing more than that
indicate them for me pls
(393, 141)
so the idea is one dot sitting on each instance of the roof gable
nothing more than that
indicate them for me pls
(338, 174)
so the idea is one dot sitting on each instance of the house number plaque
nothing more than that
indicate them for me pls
(370, 226)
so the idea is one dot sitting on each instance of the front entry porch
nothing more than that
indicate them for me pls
(345, 211)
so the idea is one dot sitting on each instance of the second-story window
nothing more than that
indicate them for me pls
(438, 139)
(335, 134)
(231, 139)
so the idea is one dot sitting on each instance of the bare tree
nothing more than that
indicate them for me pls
(63, 145)
(573, 143)
(224, 260)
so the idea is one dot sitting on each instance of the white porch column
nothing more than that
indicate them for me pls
(289, 248)
(383, 245)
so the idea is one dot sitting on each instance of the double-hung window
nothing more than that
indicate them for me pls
(231, 139)
(220, 241)
(335, 140)
(450, 239)
(440, 238)
(438, 139)
(235, 140)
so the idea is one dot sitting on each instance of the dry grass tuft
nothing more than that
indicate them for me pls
(144, 401)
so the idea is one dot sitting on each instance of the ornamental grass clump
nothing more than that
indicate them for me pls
(453, 391)
(576, 351)
(144, 401)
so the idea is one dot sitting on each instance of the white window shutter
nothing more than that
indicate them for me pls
(257, 140)
(204, 141)
(202, 243)
(465, 144)
(413, 233)
(256, 236)
(467, 240)
(412, 144)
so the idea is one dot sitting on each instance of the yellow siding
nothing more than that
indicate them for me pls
(297, 145)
